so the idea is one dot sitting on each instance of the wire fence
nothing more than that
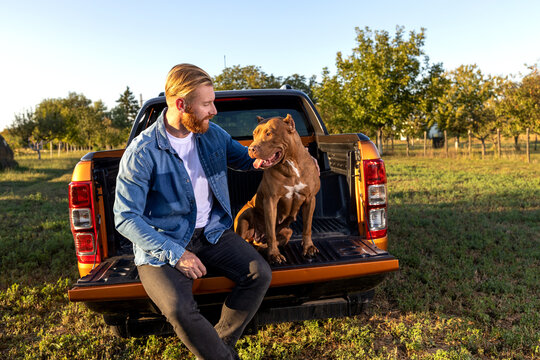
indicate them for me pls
(505, 148)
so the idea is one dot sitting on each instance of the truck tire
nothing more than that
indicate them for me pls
(118, 325)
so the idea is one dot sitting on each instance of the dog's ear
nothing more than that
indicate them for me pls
(290, 123)
(260, 119)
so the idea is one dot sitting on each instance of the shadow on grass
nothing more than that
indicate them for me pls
(479, 264)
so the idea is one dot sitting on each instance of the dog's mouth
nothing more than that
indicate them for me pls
(263, 164)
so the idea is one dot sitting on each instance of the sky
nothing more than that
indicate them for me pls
(98, 48)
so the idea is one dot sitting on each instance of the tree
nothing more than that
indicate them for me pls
(125, 112)
(377, 86)
(252, 77)
(300, 82)
(50, 121)
(74, 120)
(467, 104)
(22, 127)
(246, 77)
(332, 105)
(510, 111)
(519, 108)
(81, 125)
(530, 96)
(423, 116)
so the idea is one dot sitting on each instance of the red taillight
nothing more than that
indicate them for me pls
(375, 192)
(83, 224)
(374, 172)
(79, 195)
(84, 244)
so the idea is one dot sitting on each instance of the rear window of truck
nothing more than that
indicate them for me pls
(238, 116)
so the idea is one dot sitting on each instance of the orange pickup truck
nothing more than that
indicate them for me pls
(349, 225)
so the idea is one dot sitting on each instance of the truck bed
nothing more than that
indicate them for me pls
(334, 232)
(333, 213)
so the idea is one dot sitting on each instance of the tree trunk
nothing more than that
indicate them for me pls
(470, 142)
(483, 147)
(516, 143)
(380, 141)
(59, 147)
(408, 146)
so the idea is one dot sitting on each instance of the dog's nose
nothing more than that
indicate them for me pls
(253, 149)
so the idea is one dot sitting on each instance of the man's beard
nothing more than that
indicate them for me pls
(195, 125)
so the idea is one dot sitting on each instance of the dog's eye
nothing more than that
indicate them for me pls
(268, 133)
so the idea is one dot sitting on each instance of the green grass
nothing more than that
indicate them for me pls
(35, 238)
(466, 232)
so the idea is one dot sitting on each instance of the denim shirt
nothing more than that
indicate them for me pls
(155, 204)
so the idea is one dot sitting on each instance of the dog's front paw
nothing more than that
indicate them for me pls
(275, 257)
(310, 250)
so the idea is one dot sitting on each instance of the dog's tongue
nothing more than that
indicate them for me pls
(257, 163)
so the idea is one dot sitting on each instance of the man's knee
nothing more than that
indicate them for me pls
(180, 313)
(261, 272)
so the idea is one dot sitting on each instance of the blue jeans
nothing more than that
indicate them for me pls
(172, 293)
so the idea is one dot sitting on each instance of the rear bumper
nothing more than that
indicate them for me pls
(143, 324)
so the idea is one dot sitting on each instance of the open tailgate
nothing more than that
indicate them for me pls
(339, 258)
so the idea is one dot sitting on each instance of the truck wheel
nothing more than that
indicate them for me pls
(119, 331)
(118, 325)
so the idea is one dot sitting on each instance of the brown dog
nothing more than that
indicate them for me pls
(290, 181)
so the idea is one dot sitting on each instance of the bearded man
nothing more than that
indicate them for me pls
(172, 202)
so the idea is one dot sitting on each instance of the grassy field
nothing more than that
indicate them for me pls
(467, 233)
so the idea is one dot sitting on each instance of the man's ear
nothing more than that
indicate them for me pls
(290, 123)
(259, 119)
(180, 104)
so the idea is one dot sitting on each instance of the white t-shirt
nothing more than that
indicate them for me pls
(186, 149)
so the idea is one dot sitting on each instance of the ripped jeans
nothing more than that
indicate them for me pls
(172, 293)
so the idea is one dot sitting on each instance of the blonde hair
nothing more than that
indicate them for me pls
(183, 79)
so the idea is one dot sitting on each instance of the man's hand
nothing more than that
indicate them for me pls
(315, 161)
(317, 165)
(190, 265)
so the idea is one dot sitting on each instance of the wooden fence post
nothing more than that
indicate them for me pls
(528, 150)
(445, 143)
(380, 142)
(469, 134)
(498, 143)
(425, 143)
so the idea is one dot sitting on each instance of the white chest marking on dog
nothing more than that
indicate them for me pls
(294, 190)
(294, 168)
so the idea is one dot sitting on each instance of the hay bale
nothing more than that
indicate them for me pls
(6, 155)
